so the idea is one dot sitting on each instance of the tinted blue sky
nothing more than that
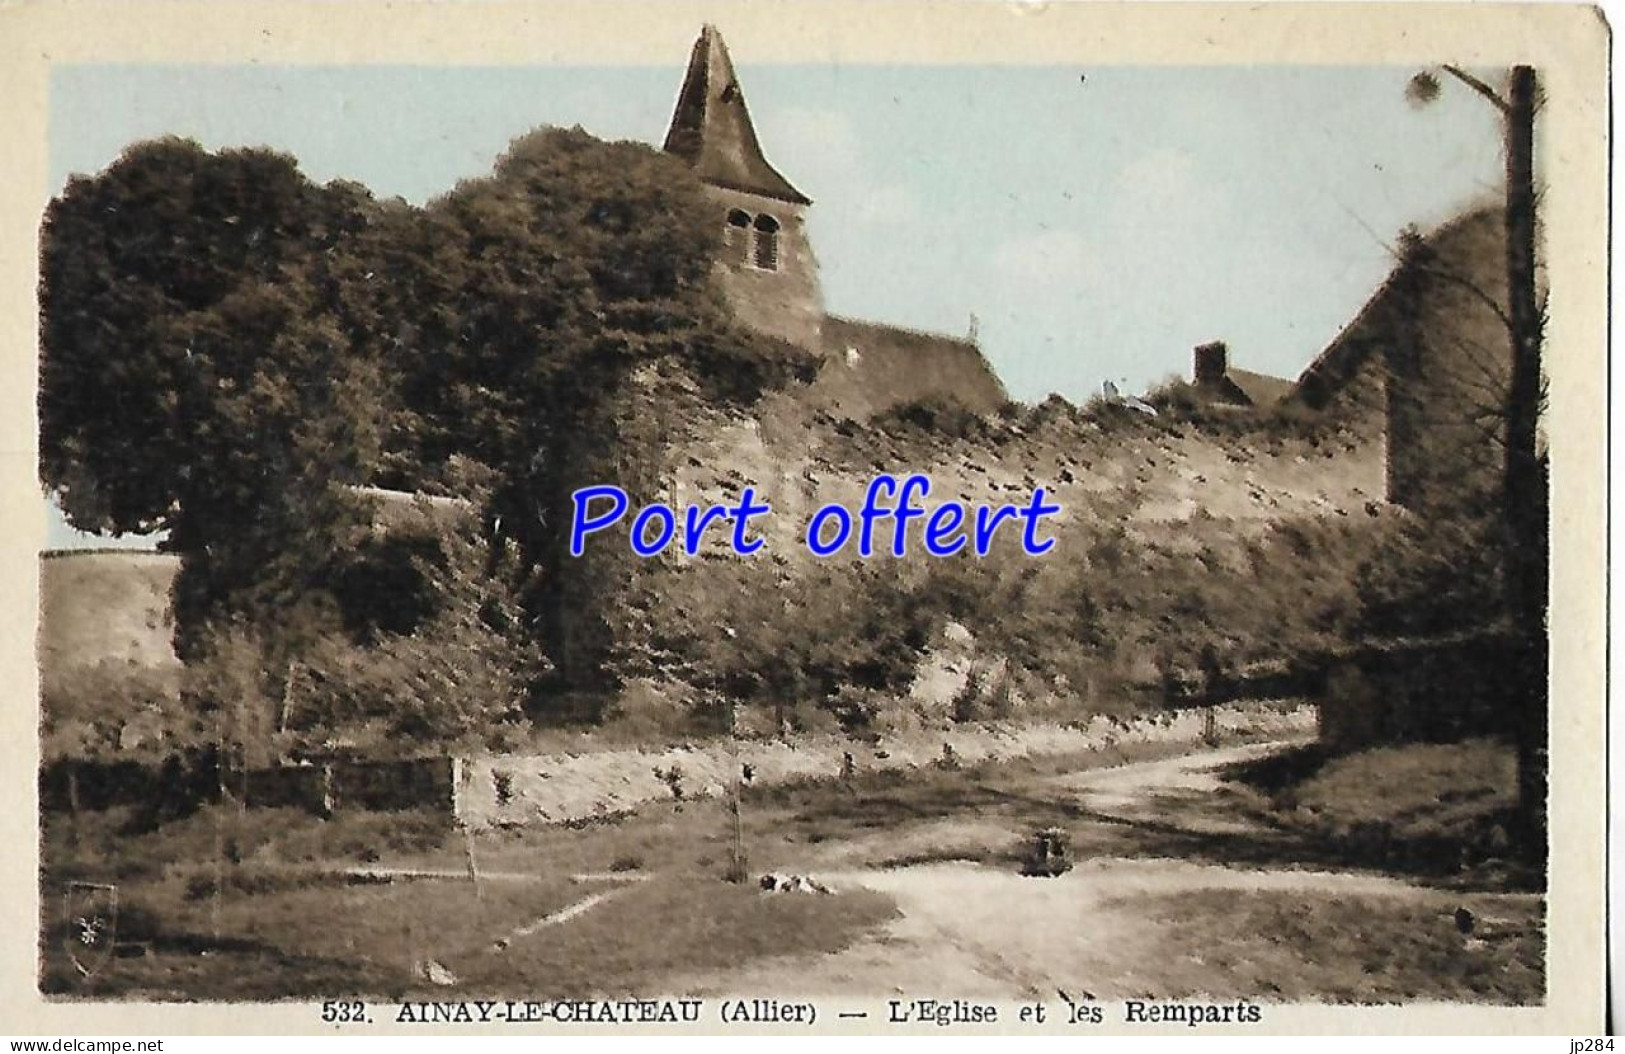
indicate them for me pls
(1099, 220)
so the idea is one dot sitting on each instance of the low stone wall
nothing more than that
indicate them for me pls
(318, 787)
(516, 790)
(408, 784)
(411, 783)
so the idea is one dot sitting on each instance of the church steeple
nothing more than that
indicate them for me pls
(712, 130)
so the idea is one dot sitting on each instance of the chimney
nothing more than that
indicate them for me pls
(1212, 362)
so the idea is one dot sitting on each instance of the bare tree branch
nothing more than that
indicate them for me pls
(1478, 86)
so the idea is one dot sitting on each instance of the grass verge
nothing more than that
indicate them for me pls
(1298, 947)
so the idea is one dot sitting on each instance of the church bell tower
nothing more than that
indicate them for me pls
(767, 269)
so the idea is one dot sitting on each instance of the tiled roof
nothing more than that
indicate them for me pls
(871, 366)
(1261, 389)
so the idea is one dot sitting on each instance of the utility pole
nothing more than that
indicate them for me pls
(1524, 495)
(1526, 499)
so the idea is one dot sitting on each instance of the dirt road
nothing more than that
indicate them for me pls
(970, 930)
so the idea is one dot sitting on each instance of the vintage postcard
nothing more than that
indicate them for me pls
(914, 518)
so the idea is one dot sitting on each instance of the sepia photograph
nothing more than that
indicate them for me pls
(756, 530)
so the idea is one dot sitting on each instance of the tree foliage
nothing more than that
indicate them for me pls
(458, 676)
(559, 285)
(527, 295)
(201, 374)
(229, 346)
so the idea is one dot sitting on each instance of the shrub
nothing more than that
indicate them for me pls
(739, 367)
(1427, 576)
(86, 710)
(824, 638)
(937, 414)
(460, 676)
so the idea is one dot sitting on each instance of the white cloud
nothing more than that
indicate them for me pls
(894, 203)
(1158, 179)
(804, 133)
(1046, 259)
(1166, 213)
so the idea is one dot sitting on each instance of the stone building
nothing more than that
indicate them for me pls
(1428, 358)
(769, 272)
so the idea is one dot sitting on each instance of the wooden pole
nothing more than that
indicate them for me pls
(473, 864)
(738, 865)
(71, 764)
(219, 830)
(1525, 485)
(739, 837)
(287, 700)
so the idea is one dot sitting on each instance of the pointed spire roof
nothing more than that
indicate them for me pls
(711, 127)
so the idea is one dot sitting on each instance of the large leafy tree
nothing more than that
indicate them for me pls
(528, 295)
(547, 299)
(205, 369)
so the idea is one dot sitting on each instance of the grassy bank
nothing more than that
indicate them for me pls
(1441, 810)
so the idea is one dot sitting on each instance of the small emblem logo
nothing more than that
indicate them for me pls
(90, 912)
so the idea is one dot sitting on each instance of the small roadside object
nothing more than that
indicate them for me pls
(775, 883)
(1049, 856)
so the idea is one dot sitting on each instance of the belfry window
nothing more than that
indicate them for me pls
(736, 235)
(765, 253)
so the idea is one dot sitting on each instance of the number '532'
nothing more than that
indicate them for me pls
(355, 1011)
